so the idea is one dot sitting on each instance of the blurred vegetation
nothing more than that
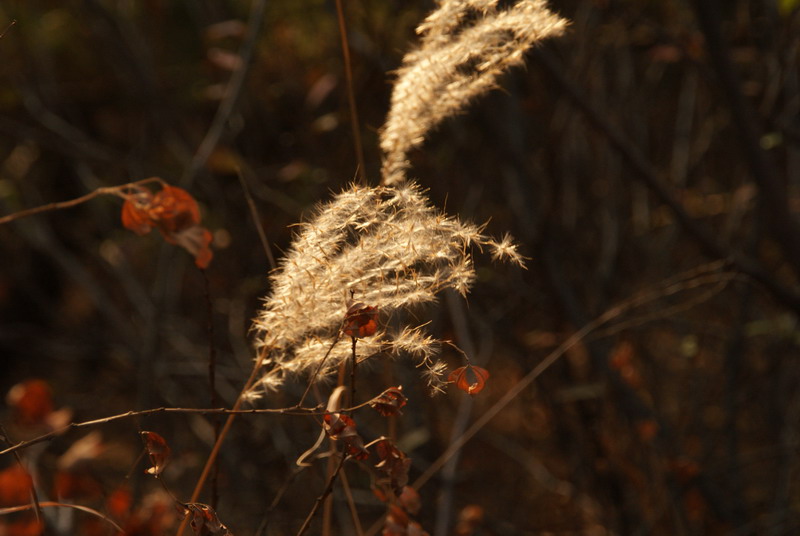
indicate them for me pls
(682, 418)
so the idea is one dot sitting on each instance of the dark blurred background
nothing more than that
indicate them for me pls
(655, 138)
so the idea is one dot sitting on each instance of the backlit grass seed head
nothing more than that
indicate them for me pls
(466, 45)
(387, 247)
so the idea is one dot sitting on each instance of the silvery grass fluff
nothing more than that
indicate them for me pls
(386, 246)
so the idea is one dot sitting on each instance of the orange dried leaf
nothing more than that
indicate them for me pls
(15, 486)
(32, 402)
(360, 320)
(175, 213)
(470, 379)
(174, 210)
(135, 217)
(158, 450)
(196, 241)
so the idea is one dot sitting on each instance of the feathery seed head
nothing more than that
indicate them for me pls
(465, 46)
(388, 247)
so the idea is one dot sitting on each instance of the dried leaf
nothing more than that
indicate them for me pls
(341, 427)
(390, 401)
(119, 503)
(76, 484)
(204, 520)
(32, 402)
(415, 529)
(196, 240)
(360, 320)
(175, 213)
(174, 210)
(15, 486)
(394, 464)
(396, 521)
(134, 213)
(470, 378)
(158, 450)
(410, 500)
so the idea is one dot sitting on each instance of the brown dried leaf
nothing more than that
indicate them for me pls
(342, 427)
(394, 464)
(158, 450)
(390, 401)
(204, 520)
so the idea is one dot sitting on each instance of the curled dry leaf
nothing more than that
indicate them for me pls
(158, 450)
(390, 401)
(343, 428)
(175, 213)
(394, 465)
(470, 379)
(204, 520)
(360, 320)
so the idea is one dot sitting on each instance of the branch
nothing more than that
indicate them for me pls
(232, 93)
(648, 174)
(294, 410)
(106, 190)
(327, 491)
(52, 504)
(775, 201)
(10, 24)
(351, 97)
(683, 282)
(37, 507)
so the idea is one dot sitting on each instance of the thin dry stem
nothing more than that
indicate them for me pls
(328, 489)
(34, 495)
(52, 504)
(118, 191)
(351, 95)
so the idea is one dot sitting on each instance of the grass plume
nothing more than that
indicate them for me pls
(387, 246)
(465, 46)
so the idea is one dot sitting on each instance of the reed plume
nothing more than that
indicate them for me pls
(465, 46)
(387, 246)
